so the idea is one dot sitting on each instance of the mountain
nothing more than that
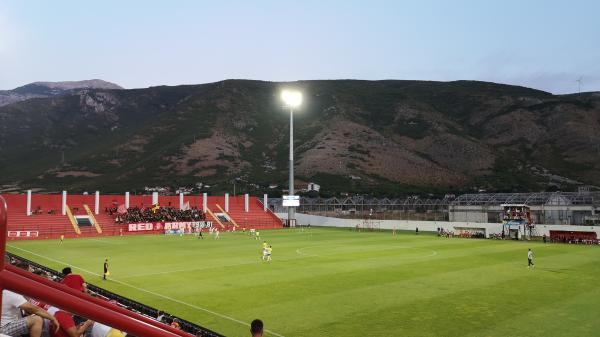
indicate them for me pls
(49, 89)
(382, 137)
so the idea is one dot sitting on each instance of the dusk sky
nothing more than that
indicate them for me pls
(546, 45)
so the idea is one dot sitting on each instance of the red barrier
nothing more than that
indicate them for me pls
(70, 300)
(61, 287)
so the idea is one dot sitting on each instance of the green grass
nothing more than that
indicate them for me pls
(334, 282)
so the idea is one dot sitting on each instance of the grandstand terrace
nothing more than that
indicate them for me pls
(53, 215)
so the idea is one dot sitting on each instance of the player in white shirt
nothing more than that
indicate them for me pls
(216, 233)
(530, 258)
(265, 252)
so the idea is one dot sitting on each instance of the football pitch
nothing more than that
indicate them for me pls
(337, 282)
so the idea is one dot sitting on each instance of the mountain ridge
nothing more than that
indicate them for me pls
(49, 89)
(387, 137)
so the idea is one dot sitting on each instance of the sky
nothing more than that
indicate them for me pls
(546, 45)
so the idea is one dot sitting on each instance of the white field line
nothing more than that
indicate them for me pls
(147, 291)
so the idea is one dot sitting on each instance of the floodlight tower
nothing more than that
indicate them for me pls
(292, 100)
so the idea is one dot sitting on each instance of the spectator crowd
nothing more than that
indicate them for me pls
(24, 316)
(155, 214)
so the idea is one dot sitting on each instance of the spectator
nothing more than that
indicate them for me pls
(256, 328)
(73, 281)
(67, 327)
(43, 274)
(21, 265)
(176, 324)
(101, 330)
(13, 324)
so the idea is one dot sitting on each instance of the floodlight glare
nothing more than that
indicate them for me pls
(292, 98)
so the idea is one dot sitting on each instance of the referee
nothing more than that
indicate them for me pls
(106, 273)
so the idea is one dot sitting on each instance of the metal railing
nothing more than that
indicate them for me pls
(61, 296)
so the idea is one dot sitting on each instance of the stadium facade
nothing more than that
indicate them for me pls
(549, 208)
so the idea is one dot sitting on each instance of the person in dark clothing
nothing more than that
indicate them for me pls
(256, 328)
(106, 272)
(417, 230)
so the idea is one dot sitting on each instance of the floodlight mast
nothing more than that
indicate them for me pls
(292, 100)
(291, 209)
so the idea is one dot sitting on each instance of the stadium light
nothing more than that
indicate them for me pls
(292, 99)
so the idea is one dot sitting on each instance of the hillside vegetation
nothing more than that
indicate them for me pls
(388, 137)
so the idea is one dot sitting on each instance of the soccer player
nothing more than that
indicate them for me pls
(269, 251)
(106, 272)
(62, 238)
(264, 253)
(257, 235)
(264, 250)
(529, 258)
(216, 234)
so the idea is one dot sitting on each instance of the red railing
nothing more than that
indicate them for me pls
(34, 286)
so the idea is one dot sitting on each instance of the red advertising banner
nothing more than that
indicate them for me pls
(23, 234)
(162, 226)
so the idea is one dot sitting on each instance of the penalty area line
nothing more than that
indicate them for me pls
(148, 291)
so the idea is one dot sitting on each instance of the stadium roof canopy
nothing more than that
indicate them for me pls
(362, 200)
(539, 198)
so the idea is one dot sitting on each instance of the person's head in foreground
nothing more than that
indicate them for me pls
(256, 328)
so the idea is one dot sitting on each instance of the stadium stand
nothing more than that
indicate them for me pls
(256, 217)
(47, 221)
